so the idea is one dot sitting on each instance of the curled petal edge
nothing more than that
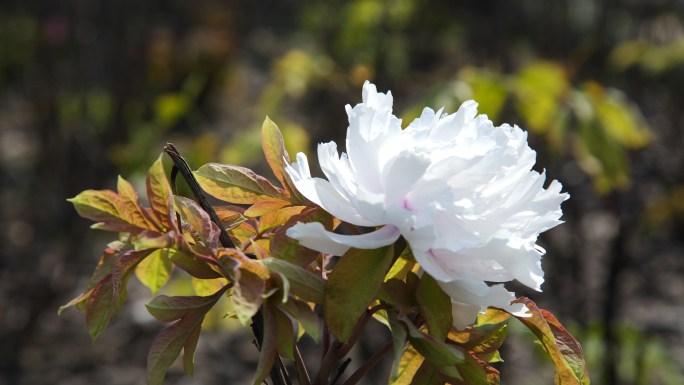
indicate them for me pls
(314, 236)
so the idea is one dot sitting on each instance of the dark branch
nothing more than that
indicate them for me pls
(257, 321)
(340, 370)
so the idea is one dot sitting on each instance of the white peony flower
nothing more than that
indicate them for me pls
(459, 190)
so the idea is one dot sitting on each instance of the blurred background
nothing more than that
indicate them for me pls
(92, 89)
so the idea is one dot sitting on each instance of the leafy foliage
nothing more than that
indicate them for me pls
(275, 282)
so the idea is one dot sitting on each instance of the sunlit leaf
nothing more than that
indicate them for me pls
(237, 184)
(538, 89)
(260, 208)
(410, 361)
(205, 287)
(565, 352)
(277, 218)
(155, 270)
(103, 207)
(488, 90)
(434, 350)
(435, 305)
(352, 286)
(230, 219)
(277, 157)
(160, 195)
(128, 206)
(399, 269)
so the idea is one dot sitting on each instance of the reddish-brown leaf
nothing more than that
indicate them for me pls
(565, 352)
(181, 335)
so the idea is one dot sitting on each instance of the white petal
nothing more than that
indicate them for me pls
(337, 169)
(314, 236)
(401, 173)
(322, 192)
(478, 293)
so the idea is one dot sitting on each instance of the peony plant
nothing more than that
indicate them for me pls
(428, 222)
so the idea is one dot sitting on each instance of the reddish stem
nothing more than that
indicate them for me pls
(368, 365)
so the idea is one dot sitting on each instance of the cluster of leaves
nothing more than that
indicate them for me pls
(607, 124)
(270, 277)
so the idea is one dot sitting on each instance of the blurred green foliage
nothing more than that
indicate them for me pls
(204, 76)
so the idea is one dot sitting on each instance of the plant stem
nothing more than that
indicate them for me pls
(338, 349)
(368, 365)
(302, 374)
(257, 320)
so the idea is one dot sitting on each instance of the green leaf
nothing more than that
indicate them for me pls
(268, 347)
(399, 269)
(260, 208)
(399, 338)
(303, 283)
(396, 292)
(565, 352)
(488, 89)
(204, 287)
(190, 312)
(289, 249)
(285, 334)
(409, 364)
(493, 316)
(155, 270)
(436, 307)
(352, 286)
(160, 196)
(302, 312)
(539, 87)
(427, 375)
(277, 218)
(237, 184)
(434, 350)
(277, 157)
